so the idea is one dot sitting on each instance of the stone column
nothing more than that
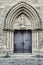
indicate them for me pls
(8, 41)
(34, 42)
(37, 43)
(11, 41)
(12, 45)
(37, 40)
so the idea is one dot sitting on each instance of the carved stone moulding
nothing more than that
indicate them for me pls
(22, 8)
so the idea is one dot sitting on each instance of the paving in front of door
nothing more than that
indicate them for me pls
(13, 61)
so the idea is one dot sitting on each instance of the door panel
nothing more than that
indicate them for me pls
(18, 47)
(27, 41)
(22, 41)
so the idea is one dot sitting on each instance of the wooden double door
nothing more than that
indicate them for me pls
(22, 41)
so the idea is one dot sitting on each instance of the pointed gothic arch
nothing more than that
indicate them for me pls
(22, 8)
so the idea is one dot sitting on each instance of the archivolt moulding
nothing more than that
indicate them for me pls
(22, 8)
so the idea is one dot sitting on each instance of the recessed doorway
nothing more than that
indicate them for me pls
(22, 41)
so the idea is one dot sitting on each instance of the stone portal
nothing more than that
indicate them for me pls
(18, 22)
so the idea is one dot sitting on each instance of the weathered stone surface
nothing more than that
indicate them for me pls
(5, 6)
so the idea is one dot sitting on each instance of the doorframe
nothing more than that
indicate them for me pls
(10, 43)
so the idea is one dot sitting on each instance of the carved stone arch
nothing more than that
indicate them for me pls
(23, 8)
(32, 21)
